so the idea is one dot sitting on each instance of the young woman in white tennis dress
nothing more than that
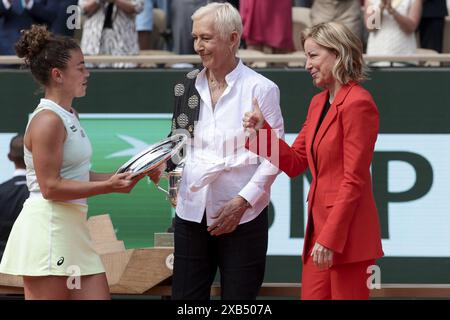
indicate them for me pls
(49, 241)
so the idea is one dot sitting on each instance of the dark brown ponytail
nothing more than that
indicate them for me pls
(43, 51)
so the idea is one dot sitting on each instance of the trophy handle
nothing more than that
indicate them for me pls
(162, 189)
(163, 175)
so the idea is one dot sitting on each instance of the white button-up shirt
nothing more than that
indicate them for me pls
(218, 167)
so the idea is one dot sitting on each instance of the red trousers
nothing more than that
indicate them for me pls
(342, 282)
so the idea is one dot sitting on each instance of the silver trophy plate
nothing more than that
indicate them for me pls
(153, 156)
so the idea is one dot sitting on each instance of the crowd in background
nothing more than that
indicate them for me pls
(129, 27)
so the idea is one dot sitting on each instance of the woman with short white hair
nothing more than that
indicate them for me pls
(222, 209)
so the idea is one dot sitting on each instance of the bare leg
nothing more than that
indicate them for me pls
(46, 288)
(144, 38)
(92, 287)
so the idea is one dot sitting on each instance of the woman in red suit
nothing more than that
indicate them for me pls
(336, 143)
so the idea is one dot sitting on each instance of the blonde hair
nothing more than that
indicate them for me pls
(226, 19)
(348, 48)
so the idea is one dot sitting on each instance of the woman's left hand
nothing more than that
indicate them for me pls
(229, 216)
(322, 256)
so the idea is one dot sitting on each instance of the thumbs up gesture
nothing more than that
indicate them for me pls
(253, 121)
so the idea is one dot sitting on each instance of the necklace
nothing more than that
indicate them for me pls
(214, 84)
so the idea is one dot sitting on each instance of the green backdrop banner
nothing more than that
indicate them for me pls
(136, 216)
(125, 110)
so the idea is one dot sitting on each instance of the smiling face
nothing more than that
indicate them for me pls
(319, 63)
(74, 77)
(214, 51)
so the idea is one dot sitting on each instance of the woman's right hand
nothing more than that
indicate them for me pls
(122, 182)
(253, 121)
(155, 174)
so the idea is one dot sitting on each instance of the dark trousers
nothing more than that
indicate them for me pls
(239, 255)
(431, 32)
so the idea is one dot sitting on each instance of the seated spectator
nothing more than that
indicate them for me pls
(396, 33)
(347, 12)
(109, 29)
(13, 192)
(181, 12)
(267, 25)
(431, 27)
(17, 15)
(145, 23)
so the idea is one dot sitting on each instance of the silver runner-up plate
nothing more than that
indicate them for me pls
(153, 156)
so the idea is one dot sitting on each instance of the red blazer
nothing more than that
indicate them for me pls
(342, 215)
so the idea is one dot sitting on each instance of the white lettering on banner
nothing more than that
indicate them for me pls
(417, 228)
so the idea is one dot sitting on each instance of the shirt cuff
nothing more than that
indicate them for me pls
(6, 4)
(252, 193)
(29, 5)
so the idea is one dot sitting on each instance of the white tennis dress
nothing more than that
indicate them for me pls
(51, 237)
